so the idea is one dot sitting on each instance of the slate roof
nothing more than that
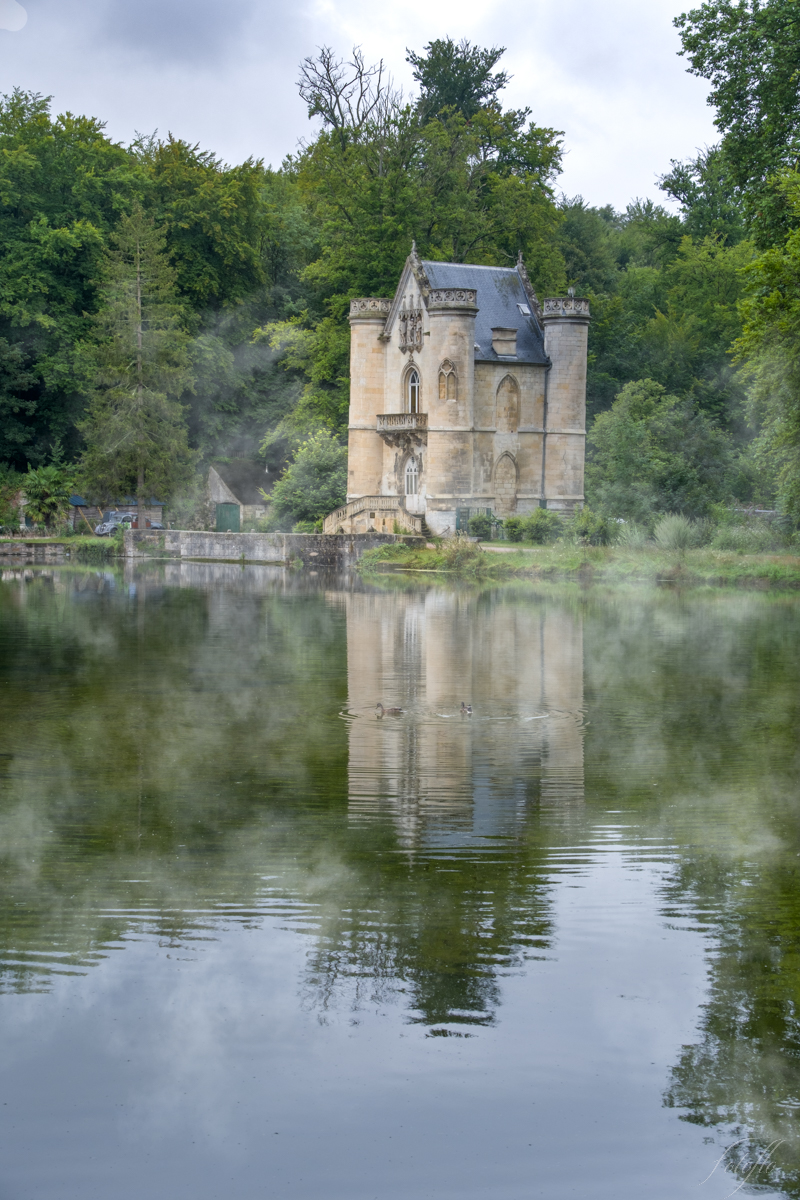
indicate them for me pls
(77, 501)
(244, 477)
(500, 293)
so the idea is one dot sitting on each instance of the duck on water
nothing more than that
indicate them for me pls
(380, 711)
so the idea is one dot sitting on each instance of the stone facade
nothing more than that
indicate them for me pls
(465, 396)
(425, 651)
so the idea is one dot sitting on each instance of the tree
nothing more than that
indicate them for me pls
(315, 483)
(749, 50)
(456, 75)
(770, 348)
(347, 95)
(652, 452)
(47, 491)
(135, 430)
(710, 202)
(62, 186)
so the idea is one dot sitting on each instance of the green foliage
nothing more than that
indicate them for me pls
(480, 525)
(456, 75)
(135, 430)
(652, 453)
(631, 535)
(10, 492)
(213, 220)
(463, 557)
(63, 184)
(314, 484)
(468, 190)
(674, 532)
(513, 527)
(542, 526)
(588, 528)
(754, 537)
(709, 200)
(749, 51)
(770, 345)
(47, 491)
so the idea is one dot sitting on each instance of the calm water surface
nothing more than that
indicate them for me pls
(255, 942)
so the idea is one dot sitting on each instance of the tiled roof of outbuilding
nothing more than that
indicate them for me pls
(501, 301)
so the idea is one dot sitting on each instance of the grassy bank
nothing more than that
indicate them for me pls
(609, 564)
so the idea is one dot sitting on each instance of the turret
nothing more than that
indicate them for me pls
(566, 331)
(365, 450)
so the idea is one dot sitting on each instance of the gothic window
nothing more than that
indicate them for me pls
(448, 384)
(507, 420)
(412, 388)
(412, 477)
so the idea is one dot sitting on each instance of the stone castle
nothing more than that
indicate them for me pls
(466, 396)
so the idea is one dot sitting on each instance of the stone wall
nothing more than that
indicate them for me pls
(33, 551)
(312, 549)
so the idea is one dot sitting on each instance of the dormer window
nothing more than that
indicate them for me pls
(412, 386)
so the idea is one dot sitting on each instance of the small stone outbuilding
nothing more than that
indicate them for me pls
(234, 492)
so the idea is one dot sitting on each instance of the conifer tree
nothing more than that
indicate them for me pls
(135, 429)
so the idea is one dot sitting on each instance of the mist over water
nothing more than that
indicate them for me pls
(256, 941)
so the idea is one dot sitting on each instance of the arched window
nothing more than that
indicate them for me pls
(507, 405)
(412, 477)
(412, 386)
(448, 389)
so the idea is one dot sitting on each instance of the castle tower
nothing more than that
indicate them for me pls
(365, 450)
(566, 332)
(466, 398)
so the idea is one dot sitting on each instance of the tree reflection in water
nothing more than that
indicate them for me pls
(193, 746)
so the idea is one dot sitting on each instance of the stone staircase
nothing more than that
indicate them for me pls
(372, 511)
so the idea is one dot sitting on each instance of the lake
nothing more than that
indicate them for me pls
(256, 941)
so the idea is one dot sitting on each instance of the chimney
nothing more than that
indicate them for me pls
(504, 342)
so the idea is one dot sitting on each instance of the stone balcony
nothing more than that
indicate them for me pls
(403, 429)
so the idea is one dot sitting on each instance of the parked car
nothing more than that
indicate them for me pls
(111, 523)
(126, 520)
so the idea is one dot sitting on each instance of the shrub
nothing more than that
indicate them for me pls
(309, 526)
(674, 532)
(542, 526)
(754, 538)
(589, 528)
(480, 525)
(47, 491)
(314, 483)
(652, 452)
(461, 555)
(631, 535)
(514, 528)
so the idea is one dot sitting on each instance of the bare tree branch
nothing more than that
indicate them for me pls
(346, 94)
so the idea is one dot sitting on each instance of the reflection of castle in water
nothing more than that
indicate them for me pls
(447, 780)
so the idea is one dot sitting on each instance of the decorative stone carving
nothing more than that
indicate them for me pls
(448, 381)
(406, 431)
(451, 298)
(409, 325)
(371, 308)
(571, 307)
(527, 286)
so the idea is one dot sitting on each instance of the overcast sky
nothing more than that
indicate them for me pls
(223, 72)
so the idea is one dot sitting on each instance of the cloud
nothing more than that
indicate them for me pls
(223, 72)
(12, 15)
(181, 30)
